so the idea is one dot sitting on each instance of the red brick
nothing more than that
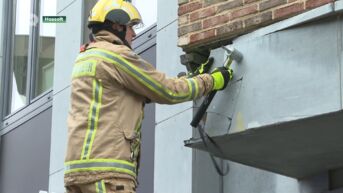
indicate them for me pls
(316, 3)
(220, 19)
(271, 3)
(203, 13)
(250, 1)
(212, 2)
(230, 28)
(243, 12)
(189, 7)
(183, 20)
(183, 41)
(189, 28)
(229, 5)
(259, 20)
(202, 35)
(181, 2)
(289, 11)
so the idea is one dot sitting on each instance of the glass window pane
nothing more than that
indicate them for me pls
(148, 12)
(46, 49)
(20, 54)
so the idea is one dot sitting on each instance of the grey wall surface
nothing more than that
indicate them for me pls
(67, 44)
(292, 74)
(277, 86)
(1, 37)
(286, 74)
(1, 23)
(146, 172)
(173, 162)
(25, 156)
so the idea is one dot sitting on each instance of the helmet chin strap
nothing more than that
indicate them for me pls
(120, 34)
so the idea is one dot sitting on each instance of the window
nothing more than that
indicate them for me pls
(32, 54)
(20, 54)
(46, 48)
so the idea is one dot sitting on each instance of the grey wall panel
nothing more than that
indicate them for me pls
(63, 4)
(59, 130)
(25, 153)
(243, 179)
(1, 27)
(167, 13)
(173, 161)
(68, 41)
(56, 182)
(168, 61)
(146, 172)
(205, 178)
(285, 184)
(1, 64)
(340, 46)
(287, 75)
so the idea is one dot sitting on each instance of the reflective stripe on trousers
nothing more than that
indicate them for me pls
(101, 165)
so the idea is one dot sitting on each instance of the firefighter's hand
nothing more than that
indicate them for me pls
(203, 68)
(221, 77)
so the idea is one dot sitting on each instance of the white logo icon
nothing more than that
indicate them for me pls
(34, 20)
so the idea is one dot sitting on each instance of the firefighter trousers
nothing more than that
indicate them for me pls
(116, 185)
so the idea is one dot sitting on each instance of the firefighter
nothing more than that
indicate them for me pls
(110, 85)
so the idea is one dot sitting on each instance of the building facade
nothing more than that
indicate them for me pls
(36, 63)
(278, 125)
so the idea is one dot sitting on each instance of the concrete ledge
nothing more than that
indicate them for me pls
(297, 149)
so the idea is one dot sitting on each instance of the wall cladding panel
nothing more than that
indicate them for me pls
(173, 161)
(168, 61)
(287, 75)
(169, 10)
(68, 41)
(25, 153)
(59, 130)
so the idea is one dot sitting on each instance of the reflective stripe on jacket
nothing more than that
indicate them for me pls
(110, 84)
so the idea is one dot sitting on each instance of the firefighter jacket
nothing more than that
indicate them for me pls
(110, 85)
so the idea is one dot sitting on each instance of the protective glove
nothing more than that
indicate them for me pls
(221, 77)
(203, 68)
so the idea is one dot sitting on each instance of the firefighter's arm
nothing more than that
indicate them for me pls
(141, 77)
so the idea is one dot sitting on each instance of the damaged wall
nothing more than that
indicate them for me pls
(291, 70)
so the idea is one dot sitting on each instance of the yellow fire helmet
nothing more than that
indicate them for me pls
(116, 11)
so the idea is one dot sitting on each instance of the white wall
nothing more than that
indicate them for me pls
(68, 41)
(173, 161)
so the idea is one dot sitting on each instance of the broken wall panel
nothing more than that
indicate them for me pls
(288, 75)
(288, 91)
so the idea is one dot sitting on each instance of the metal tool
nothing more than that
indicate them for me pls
(209, 143)
(232, 54)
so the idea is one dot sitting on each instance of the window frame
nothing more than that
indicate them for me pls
(33, 102)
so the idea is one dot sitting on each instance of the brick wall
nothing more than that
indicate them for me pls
(207, 23)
